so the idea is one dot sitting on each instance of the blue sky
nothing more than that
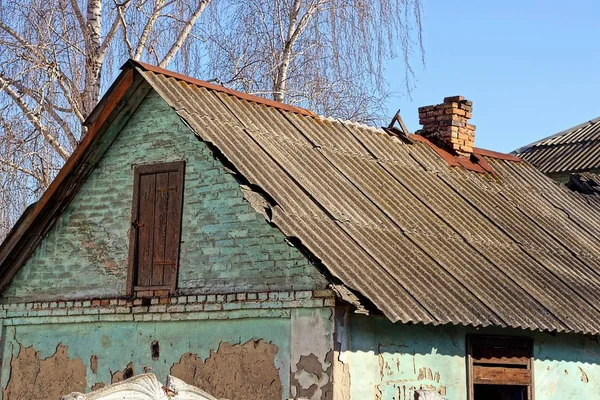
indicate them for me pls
(531, 68)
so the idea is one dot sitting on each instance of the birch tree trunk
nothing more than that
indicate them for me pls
(53, 69)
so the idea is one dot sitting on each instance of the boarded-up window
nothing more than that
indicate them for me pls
(500, 367)
(156, 229)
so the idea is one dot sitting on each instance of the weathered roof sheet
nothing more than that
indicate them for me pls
(423, 241)
(574, 149)
(421, 235)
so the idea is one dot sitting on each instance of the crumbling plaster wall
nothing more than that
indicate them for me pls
(255, 358)
(226, 245)
(389, 361)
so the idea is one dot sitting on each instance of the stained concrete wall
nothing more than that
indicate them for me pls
(389, 361)
(226, 246)
(233, 357)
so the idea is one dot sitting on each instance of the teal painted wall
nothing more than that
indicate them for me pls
(296, 334)
(388, 361)
(226, 245)
(117, 344)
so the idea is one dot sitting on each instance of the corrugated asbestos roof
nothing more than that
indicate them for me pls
(425, 237)
(574, 149)
(423, 241)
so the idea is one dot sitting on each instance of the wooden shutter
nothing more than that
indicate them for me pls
(500, 360)
(156, 228)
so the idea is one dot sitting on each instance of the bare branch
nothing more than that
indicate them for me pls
(183, 34)
(147, 29)
(118, 20)
(34, 119)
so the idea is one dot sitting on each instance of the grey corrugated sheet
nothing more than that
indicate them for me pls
(424, 242)
(574, 149)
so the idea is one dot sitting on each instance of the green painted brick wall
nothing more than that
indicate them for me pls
(226, 245)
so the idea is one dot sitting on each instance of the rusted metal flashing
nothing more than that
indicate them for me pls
(474, 163)
(496, 155)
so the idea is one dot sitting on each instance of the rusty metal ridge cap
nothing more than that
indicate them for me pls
(218, 88)
(496, 155)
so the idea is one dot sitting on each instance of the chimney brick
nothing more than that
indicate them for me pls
(447, 125)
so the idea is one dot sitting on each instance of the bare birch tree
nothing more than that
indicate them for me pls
(56, 56)
(326, 55)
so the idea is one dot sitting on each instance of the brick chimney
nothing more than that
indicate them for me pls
(446, 125)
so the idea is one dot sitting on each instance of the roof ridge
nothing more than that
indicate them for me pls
(563, 132)
(219, 88)
(279, 105)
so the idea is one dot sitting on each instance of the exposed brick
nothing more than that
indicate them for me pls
(305, 294)
(182, 299)
(157, 308)
(440, 122)
(323, 293)
(213, 306)
(176, 308)
(194, 307)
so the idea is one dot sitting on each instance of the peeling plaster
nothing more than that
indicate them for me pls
(235, 371)
(94, 363)
(311, 361)
(126, 373)
(35, 378)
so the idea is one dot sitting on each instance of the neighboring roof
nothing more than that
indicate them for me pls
(419, 233)
(574, 149)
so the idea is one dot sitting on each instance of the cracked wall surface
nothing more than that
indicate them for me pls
(390, 361)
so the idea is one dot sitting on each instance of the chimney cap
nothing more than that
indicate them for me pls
(453, 99)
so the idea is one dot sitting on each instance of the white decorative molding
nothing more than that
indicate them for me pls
(144, 387)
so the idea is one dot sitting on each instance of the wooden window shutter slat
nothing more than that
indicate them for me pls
(160, 227)
(173, 232)
(146, 229)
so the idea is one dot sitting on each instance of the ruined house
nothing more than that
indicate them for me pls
(259, 251)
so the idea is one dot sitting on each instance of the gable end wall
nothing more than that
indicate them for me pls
(226, 246)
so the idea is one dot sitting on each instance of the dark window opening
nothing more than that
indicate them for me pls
(500, 367)
(500, 392)
(155, 229)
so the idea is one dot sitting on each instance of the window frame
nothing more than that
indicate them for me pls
(524, 363)
(133, 268)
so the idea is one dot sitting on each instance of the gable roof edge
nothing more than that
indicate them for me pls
(29, 230)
